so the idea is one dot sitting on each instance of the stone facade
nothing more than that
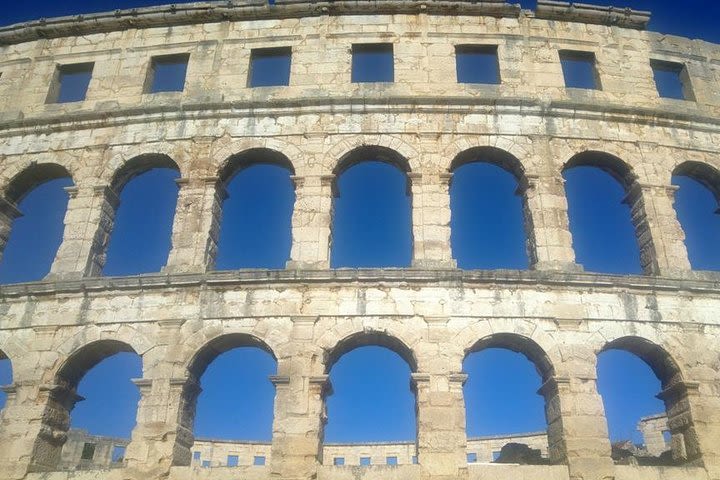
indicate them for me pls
(307, 315)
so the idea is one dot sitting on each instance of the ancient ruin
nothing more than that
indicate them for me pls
(317, 124)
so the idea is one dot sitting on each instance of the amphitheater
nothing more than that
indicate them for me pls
(308, 315)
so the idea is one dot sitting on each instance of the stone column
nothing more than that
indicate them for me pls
(577, 428)
(8, 213)
(88, 223)
(441, 439)
(196, 228)
(545, 208)
(431, 220)
(660, 237)
(311, 222)
(299, 412)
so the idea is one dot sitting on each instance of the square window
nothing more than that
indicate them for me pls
(672, 80)
(259, 460)
(477, 64)
(372, 62)
(167, 73)
(206, 463)
(118, 454)
(365, 461)
(196, 455)
(579, 70)
(472, 458)
(392, 460)
(232, 460)
(88, 451)
(495, 456)
(339, 461)
(414, 460)
(70, 83)
(270, 67)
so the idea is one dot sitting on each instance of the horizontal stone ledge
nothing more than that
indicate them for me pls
(595, 14)
(199, 13)
(689, 116)
(446, 278)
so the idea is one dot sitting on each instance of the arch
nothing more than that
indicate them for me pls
(609, 163)
(226, 148)
(370, 338)
(395, 144)
(31, 177)
(493, 155)
(705, 174)
(657, 358)
(221, 344)
(516, 147)
(367, 153)
(518, 344)
(234, 164)
(86, 357)
(138, 165)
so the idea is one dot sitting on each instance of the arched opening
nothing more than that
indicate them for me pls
(230, 415)
(487, 223)
(696, 202)
(257, 211)
(32, 222)
(5, 378)
(370, 405)
(506, 420)
(371, 224)
(645, 398)
(142, 226)
(602, 212)
(91, 409)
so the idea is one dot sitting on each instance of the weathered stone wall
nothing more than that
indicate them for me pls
(432, 314)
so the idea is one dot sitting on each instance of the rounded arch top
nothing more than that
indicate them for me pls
(253, 156)
(221, 344)
(703, 173)
(519, 344)
(657, 358)
(33, 176)
(88, 356)
(489, 154)
(607, 162)
(368, 339)
(366, 153)
(139, 165)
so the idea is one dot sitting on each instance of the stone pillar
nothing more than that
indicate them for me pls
(88, 223)
(441, 439)
(163, 435)
(577, 428)
(311, 222)
(196, 228)
(431, 220)
(658, 231)
(299, 416)
(652, 429)
(8, 213)
(545, 208)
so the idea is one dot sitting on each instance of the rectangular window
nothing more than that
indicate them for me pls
(672, 80)
(167, 73)
(88, 451)
(472, 458)
(118, 454)
(232, 460)
(339, 461)
(477, 64)
(259, 460)
(270, 67)
(392, 460)
(579, 70)
(196, 455)
(365, 461)
(372, 62)
(495, 456)
(414, 460)
(206, 463)
(70, 83)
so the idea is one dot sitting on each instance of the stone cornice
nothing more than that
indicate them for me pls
(233, 10)
(595, 14)
(695, 282)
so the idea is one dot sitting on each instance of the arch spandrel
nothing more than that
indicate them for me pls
(21, 178)
(223, 150)
(334, 347)
(253, 156)
(138, 165)
(399, 152)
(518, 153)
(74, 367)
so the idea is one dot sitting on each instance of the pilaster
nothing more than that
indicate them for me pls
(431, 220)
(311, 222)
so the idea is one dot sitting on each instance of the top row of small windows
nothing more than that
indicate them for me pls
(371, 62)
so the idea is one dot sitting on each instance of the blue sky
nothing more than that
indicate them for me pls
(372, 399)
